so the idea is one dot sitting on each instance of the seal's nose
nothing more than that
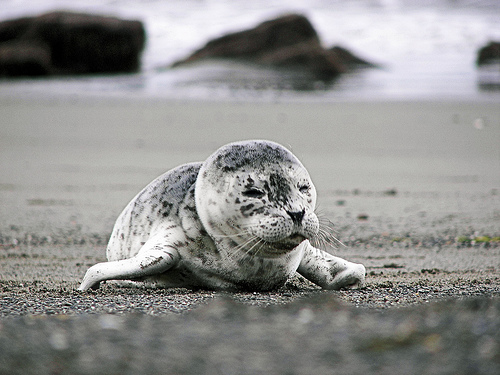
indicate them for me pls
(296, 216)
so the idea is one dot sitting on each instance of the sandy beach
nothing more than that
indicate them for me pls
(412, 187)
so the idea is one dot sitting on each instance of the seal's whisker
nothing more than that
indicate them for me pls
(326, 235)
(251, 241)
(328, 238)
(244, 244)
(260, 243)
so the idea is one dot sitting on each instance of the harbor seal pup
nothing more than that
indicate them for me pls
(242, 220)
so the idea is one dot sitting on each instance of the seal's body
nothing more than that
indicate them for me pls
(241, 220)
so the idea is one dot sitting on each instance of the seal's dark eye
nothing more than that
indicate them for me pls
(304, 188)
(254, 193)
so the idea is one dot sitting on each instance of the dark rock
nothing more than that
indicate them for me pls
(363, 217)
(393, 265)
(488, 65)
(289, 41)
(70, 43)
(311, 56)
(489, 54)
(12, 29)
(391, 192)
(267, 37)
(24, 59)
(349, 59)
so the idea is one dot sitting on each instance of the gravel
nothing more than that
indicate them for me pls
(211, 333)
(382, 292)
(430, 321)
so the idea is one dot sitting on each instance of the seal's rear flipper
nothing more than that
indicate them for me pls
(151, 260)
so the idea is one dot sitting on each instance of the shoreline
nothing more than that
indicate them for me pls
(73, 97)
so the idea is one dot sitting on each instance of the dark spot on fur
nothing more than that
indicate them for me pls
(259, 210)
(179, 244)
(190, 208)
(152, 263)
(279, 188)
(185, 274)
(246, 208)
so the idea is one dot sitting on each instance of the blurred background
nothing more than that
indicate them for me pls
(423, 49)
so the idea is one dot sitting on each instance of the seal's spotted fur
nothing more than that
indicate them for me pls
(240, 220)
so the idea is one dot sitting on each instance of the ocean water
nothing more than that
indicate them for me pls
(426, 49)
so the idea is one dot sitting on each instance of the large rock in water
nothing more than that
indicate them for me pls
(70, 43)
(489, 54)
(289, 41)
(488, 66)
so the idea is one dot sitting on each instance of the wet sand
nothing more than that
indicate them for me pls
(412, 188)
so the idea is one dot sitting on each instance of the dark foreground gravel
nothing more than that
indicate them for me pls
(319, 334)
(426, 322)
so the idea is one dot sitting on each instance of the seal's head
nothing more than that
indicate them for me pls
(257, 198)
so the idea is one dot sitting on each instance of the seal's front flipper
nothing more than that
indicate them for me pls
(152, 259)
(328, 271)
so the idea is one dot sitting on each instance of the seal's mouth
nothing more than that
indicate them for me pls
(273, 249)
(288, 243)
